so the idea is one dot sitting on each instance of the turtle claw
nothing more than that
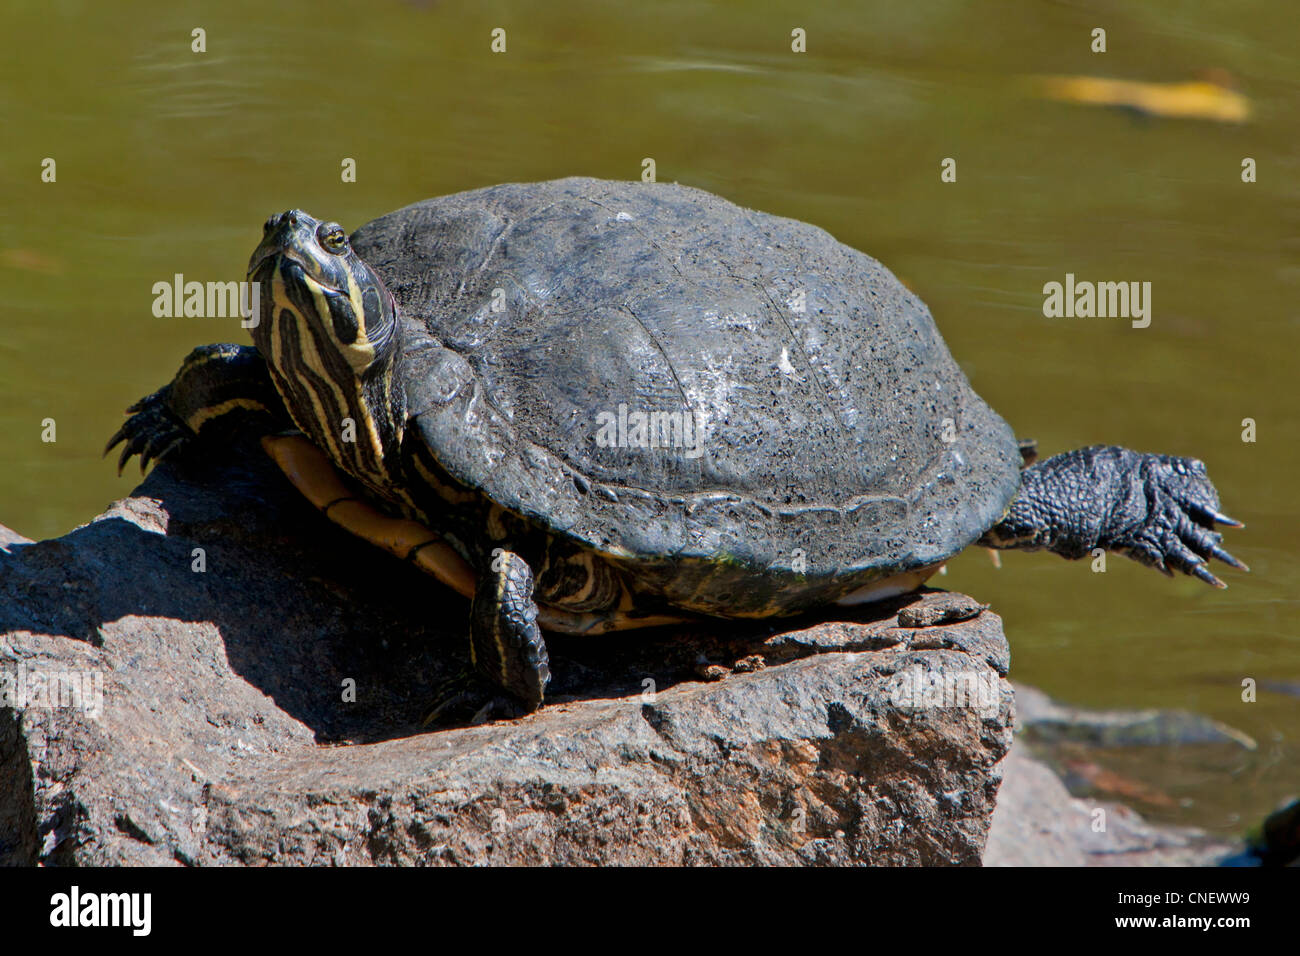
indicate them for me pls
(1209, 516)
(1177, 554)
(152, 432)
(118, 436)
(1170, 523)
(1182, 523)
(1226, 558)
(1208, 577)
(127, 452)
(447, 695)
(463, 698)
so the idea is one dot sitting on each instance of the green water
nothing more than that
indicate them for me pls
(168, 161)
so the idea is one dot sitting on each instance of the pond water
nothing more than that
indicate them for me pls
(169, 160)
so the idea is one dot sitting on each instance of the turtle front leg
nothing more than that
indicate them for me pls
(1159, 510)
(217, 390)
(506, 644)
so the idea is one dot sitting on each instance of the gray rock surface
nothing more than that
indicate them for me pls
(9, 538)
(1043, 720)
(202, 714)
(1038, 823)
(1048, 819)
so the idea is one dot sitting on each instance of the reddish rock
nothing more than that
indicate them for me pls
(225, 733)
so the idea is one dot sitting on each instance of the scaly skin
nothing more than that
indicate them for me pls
(219, 390)
(1159, 510)
(506, 644)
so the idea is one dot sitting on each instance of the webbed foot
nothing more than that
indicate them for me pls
(1175, 532)
(1159, 510)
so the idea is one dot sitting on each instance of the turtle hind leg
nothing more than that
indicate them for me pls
(506, 644)
(1159, 510)
(218, 390)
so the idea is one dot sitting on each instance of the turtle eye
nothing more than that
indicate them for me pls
(332, 238)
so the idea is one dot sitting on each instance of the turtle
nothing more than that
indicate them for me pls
(592, 406)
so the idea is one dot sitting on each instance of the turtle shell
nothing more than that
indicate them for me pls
(807, 407)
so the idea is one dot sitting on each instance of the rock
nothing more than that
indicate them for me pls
(239, 682)
(1101, 781)
(946, 610)
(1042, 720)
(1279, 837)
(1038, 823)
(9, 538)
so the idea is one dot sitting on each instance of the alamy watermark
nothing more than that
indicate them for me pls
(208, 300)
(1102, 300)
(75, 909)
(625, 428)
(25, 687)
(918, 688)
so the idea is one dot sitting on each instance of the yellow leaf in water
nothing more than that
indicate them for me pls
(30, 261)
(1198, 99)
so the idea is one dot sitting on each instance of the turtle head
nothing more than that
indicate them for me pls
(328, 329)
(308, 268)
